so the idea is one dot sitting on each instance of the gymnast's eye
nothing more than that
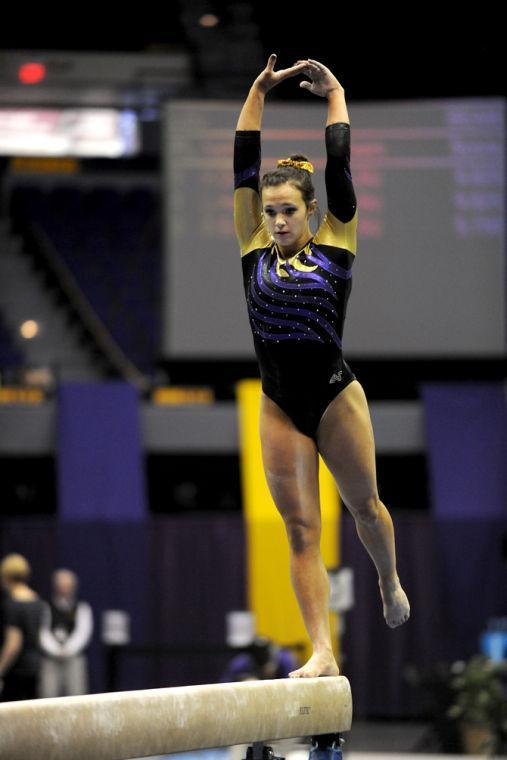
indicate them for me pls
(270, 211)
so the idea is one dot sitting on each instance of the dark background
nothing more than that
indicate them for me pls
(415, 52)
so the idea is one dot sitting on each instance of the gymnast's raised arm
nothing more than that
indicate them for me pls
(247, 151)
(251, 113)
(339, 226)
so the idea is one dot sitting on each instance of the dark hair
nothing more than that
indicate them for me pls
(299, 178)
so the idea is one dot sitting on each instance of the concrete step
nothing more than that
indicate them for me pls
(24, 295)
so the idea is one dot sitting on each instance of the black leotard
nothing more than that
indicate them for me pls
(296, 306)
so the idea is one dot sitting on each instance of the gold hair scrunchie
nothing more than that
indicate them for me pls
(306, 165)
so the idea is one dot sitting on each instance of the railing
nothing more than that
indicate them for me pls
(40, 247)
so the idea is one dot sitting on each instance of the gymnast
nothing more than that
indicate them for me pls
(297, 285)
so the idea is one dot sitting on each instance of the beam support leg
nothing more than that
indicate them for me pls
(326, 747)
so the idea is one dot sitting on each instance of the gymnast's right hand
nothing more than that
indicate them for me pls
(268, 78)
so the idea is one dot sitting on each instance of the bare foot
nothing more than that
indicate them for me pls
(395, 601)
(319, 664)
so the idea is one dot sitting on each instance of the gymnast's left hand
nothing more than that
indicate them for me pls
(269, 78)
(323, 81)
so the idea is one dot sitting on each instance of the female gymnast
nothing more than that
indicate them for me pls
(297, 286)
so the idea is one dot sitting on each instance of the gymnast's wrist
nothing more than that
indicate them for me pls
(258, 89)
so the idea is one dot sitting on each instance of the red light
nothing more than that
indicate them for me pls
(31, 73)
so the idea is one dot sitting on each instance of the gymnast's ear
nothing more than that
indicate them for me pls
(312, 206)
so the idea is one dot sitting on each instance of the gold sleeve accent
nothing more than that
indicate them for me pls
(339, 234)
(248, 221)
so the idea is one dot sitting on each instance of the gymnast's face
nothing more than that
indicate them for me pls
(287, 216)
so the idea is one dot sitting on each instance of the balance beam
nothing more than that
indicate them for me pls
(129, 724)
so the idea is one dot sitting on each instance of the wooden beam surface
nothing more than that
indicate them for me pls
(123, 725)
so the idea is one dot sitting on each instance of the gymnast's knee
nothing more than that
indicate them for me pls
(302, 535)
(366, 511)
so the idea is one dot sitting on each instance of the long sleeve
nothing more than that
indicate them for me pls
(339, 225)
(341, 199)
(47, 641)
(82, 633)
(248, 220)
(247, 159)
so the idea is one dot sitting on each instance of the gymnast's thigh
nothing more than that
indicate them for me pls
(291, 464)
(345, 441)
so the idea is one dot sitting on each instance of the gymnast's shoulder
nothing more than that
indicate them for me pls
(336, 233)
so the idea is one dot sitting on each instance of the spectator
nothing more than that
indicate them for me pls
(66, 632)
(20, 656)
(263, 659)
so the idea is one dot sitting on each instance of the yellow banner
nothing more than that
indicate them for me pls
(270, 593)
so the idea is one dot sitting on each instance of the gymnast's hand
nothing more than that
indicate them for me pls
(269, 78)
(323, 81)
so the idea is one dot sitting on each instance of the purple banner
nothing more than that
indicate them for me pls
(100, 462)
(466, 429)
